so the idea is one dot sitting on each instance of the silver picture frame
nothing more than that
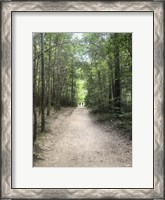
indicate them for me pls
(7, 7)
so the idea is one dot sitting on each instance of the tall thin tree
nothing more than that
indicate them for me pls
(43, 85)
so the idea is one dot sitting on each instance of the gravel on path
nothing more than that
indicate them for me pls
(76, 139)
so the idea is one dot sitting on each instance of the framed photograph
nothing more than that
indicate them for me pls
(82, 99)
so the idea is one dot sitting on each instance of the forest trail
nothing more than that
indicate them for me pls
(76, 139)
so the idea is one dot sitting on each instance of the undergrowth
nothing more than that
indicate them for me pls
(122, 122)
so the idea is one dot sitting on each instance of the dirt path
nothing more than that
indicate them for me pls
(77, 140)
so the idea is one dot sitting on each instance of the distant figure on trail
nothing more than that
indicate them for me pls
(81, 104)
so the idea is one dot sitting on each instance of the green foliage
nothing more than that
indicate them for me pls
(91, 67)
(81, 91)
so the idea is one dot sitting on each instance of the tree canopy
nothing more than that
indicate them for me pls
(70, 68)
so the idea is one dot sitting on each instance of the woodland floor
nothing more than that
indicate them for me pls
(75, 138)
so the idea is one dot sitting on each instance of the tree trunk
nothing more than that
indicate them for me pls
(34, 98)
(43, 86)
(111, 85)
(117, 92)
(49, 82)
(58, 80)
(72, 87)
